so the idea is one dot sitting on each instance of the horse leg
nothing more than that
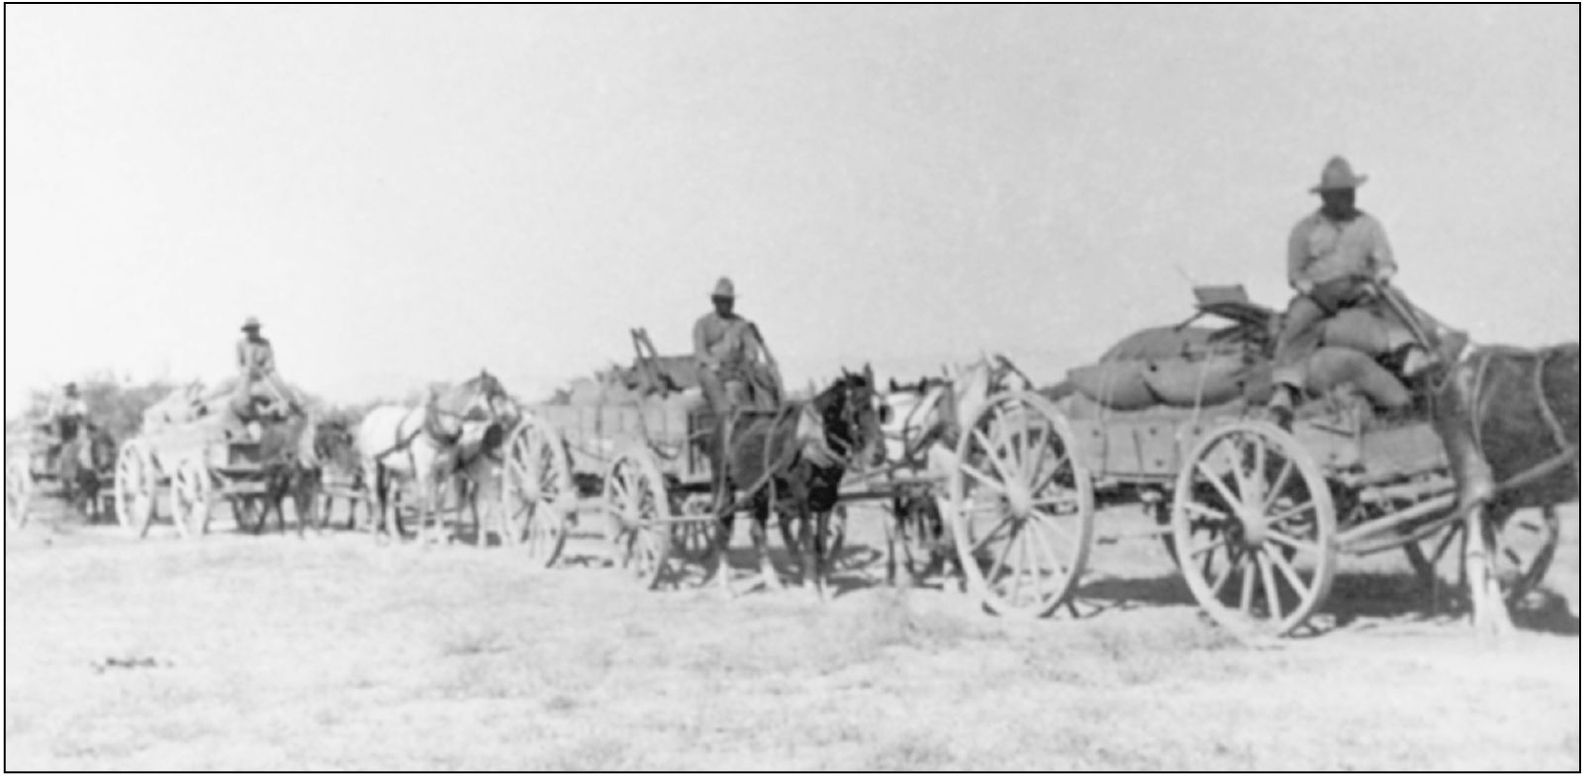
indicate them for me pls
(375, 498)
(725, 512)
(1486, 598)
(809, 580)
(759, 538)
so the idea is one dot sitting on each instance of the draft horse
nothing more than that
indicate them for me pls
(422, 443)
(792, 461)
(1509, 419)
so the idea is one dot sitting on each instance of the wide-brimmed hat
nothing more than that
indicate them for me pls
(251, 323)
(724, 288)
(1338, 175)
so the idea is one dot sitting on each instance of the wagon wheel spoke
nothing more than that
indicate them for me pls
(1288, 573)
(1268, 578)
(1246, 600)
(982, 479)
(1288, 471)
(1006, 475)
(1234, 461)
(1221, 488)
(1290, 514)
(1299, 545)
(1000, 526)
(1226, 574)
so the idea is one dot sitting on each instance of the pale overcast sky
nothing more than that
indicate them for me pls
(412, 193)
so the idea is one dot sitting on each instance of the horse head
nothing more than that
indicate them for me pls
(850, 415)
(333, 444)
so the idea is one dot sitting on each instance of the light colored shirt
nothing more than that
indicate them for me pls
(255, 358)
(1321, 250)
(724, 341)
(65, 406)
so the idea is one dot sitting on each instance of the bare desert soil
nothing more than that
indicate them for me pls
(272, 653)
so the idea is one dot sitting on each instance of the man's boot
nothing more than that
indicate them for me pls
(1279, 411)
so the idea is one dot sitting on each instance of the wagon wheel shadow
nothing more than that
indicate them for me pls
(1117, 594)
(1357, 598)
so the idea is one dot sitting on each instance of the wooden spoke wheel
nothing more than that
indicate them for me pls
(191, 494)
(1255, 528)
(1021, 506)
(539, 501)
(19, 491)
(1526, 544)
(248, 513)
(137, 479)
(637, 505)
(695, 542)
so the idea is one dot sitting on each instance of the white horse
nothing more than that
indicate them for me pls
(422, 444)
(921, 428)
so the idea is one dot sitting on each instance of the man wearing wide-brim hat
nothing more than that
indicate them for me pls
(257, 377)
(726, 348)
(1337, 258)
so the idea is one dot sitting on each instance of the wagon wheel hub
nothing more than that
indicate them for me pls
(1253, 526)
(1020, 500)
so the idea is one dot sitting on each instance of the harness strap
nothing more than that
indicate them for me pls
(403, 442)
(1546, 409)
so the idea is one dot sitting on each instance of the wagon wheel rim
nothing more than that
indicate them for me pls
(693, 542)
(19, 490)
(1021, 506)
(637, 506)
(538, 494)
(1255, 529)
(248, 514)
(191, 493)
(135, 489)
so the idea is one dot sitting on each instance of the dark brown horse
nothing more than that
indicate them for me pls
(84, 464)
(1509, 419)
(792, 462)
(294, 457)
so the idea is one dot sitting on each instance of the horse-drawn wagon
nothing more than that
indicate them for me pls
(639, 444)
(74, 466)
(194, 451)
(1257, 517)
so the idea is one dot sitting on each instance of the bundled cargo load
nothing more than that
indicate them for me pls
(1170, 341)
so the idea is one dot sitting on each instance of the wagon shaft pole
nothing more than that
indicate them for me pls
(1366, 532)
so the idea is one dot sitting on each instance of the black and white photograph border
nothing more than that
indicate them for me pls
(792, 388)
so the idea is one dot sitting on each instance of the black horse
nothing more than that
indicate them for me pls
(294, 456)
(791, 462)
(82, 464)
(1509, 419)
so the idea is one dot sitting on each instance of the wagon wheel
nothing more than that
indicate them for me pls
(1021, 506)
(538, 493)
(191, 494)
(694, 542)
(248, 513)
(1525, 549)
(136, 479)
(637, 505)
(19, 491)
(1255, 528)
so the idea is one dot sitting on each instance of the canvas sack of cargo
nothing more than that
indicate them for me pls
(1331, 367)
(1166, 342)
(1209, 381)
(1118, 384)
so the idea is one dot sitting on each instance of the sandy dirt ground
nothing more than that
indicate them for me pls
(274, 653)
